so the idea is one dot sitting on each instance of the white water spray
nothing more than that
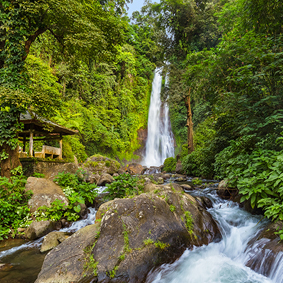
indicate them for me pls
(224, 262)
(160, 140)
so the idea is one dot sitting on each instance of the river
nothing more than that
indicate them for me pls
(224, 261)
(218, 262)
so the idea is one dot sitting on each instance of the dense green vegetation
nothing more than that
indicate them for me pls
(14, 209)
(228, 54)
(170, 164)
(84, 65)
(124, 185)
(81, 64)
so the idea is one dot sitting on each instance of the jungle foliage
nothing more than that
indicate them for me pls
(81, 64)
(228, 54)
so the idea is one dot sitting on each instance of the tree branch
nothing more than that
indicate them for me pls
(31, 39)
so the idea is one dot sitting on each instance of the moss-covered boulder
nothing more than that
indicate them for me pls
(136, 235)
(66, 262)
(98, 164)
(44, 192)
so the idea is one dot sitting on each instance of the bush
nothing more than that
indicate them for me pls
(258, 176)
(199, 163)
(14, 211)
(76, 190)
(170, 164)
(125, 185)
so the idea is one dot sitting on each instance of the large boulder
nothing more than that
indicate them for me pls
(265, 250)
(225, 192)
(134, 169)
(136, 235)
(38, 229)
(66, 262)
(44, 193)
(100, 164)
(187, 187)
(105, 179)
(50, 169)
(179, 167)
(52, 240)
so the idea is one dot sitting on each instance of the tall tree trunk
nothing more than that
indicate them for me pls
(189, 123)
(11, 162)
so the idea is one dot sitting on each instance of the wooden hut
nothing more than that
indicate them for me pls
(37, 128)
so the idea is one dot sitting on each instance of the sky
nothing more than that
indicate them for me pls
(136, 6)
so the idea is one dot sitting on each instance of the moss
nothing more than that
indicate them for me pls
(189, 220)
(160, 245)
(112, 273)
(148, 242)
(126, 239)
(172, 208)
(107, 163)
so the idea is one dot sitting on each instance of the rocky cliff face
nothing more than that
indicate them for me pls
(136, 235)
(142, 137)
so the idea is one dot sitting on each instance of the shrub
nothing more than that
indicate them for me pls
(76, 190)
(257, 175)
(123, 186)
(14, 211)
(170, 164)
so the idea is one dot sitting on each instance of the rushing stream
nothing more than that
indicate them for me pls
(160, 140)
(218, 262)
(222, 262)
(24, 261)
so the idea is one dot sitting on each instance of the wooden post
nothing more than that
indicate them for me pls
(61, 147)
(31, 144)
(189, 123)
(24, 148)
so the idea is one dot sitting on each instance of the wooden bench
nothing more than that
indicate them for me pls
(49, 151)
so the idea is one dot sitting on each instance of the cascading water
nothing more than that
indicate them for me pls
(222, 262)
(160, 140)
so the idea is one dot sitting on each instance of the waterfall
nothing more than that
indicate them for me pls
(160, 140)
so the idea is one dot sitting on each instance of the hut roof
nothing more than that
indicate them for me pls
(41, 125)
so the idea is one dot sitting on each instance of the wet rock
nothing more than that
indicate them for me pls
(66, 262)
(187, 187)
(136, 235)
(179, 168)
(105, 179)
(205, 202)
(83, 210)
(148, 218)
(52, 240)
(166, 176)
(134, 169)
(264, 250)
(153, 170)
(100, 164)
(5, 267)
(93, 178)
(181, 179)
(160, 180)
(39, 229)
(99, 200)
(44, 193)
(225, 192)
